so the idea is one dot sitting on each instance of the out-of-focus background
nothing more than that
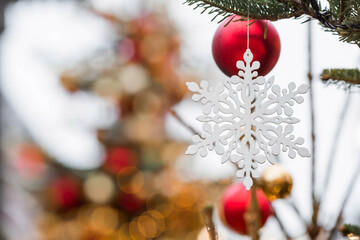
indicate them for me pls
(91, 149)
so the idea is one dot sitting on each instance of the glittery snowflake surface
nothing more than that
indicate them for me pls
(247, 119)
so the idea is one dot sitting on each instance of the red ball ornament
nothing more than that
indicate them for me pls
(29, 161)
(118, 158)
(65, 192)
(230, 43)
(234, 204)
(130, 203)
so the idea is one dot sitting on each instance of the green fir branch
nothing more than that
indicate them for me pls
(348, 76)
(350, 229)
(258, 9)
(350, 36)
(342, 17)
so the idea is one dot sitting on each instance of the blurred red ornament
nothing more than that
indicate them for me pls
(230, 43)
(126, 50)
(29, 161)
(234, 204)
(118, 158)
(65, 192)
(145, 24)
(130, 202)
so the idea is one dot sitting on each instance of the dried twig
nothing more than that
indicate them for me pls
(252, 215)
(209, 223)
(281, 225)
(190, 128)
(344, 203)
(297, 211)
(291, 203)
(313, 228)
(334, 144)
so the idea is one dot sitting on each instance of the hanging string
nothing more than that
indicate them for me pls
(248, 26)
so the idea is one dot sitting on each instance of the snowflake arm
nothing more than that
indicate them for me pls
(283, 137)
(281, 101)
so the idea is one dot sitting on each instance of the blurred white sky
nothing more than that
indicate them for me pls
(64, 33)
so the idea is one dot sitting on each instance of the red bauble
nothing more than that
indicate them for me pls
(130, 202)
(29, 161)
(234, 204)
(229, 45)
(118, 158)
(65, 192)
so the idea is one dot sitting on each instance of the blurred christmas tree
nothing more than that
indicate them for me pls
(136, 193)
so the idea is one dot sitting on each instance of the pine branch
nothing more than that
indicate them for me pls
(348, 76)
(350, 36)
(347, 14)
(343, 17)
(350, 229)
(342, 11)
(271, 10)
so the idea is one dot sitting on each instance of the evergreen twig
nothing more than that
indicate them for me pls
(273, 9)
(348, 28)
(348, 76)
(342, 11)
(350, 229)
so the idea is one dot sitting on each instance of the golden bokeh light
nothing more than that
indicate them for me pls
(171, 152)
(187, 196)
(134, 231)
(69, 230)
(108, 88)
(104, 219)
(147, 226)
(130, 180)
(123, 232)
(352, 237)
(159, 220)
(99, 188)
(133, 78)
(148, 102)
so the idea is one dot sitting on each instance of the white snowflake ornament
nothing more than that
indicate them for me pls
(242, 119)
